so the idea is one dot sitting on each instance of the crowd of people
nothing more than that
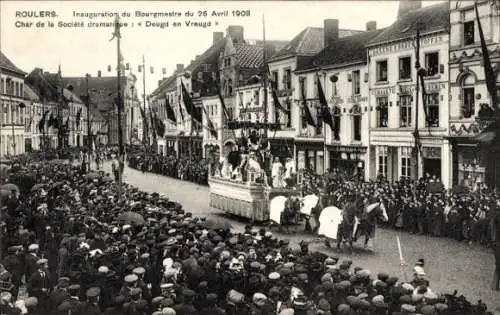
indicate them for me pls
(193, 169)
(79, 248)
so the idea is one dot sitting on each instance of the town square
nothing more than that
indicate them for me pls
(279, 157)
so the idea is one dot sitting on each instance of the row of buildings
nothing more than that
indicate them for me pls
(29, 100)
(369, 80)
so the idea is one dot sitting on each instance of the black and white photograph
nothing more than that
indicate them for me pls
(250, 157)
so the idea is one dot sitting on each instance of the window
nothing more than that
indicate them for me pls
(468, 107)
(256, 97)
(404, 68)
(2, 84)
(356, 122)
(274, 78)
(432, 104)
(382, 71)
(319, 124)
(432, 63)
(356, 84)
(382, 161)
(405, 110)
(406, 162)
(230, 87)
(16, 89)
(241, 98)
(468, 33)
(336, 123)
(287, 79)
(382, 111)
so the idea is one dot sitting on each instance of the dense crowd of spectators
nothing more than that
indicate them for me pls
(81, 249)
(194, 169)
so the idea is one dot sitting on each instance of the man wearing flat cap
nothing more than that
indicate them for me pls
(146, 290)
(31, 258)
(91, 306)
(60, 292)
(13, 263)
(130, 283)
(39, 284)
(186, 307)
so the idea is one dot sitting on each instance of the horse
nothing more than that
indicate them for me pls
(356, 224)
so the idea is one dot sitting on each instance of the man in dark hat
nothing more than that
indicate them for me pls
(39, 284)
(13, 263)
(211, 305)
(187, 307)
(91, 306)
(60, 293)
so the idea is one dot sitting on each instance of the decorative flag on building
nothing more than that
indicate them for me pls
(325, 110)
(109, 68)
(41, 123)
(307, 112)
(277, 103)
(180, 107)
(51, 120)
(160, 126)
(188, 103)
(488, 69)
(164, 71)
(211, 127)
(170, 112)
(222, 104)
(152, 122)
(144, 118)
(152, 70)
(139, 68)
(78, 117)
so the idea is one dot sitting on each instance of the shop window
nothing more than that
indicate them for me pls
(405, 107)
(382, 71)
(432, 63)
(406, 162)
(382, 161)
(468, 33)
(432, 104)
(382, 111)
(404, 68)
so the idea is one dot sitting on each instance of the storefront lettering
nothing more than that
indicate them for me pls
(357, 99)
(383, 91)
(336, 100)
(406, 45)
(406, 89)
(434, 86)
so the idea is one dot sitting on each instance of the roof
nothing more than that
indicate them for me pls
(345, 50)
(249, 56)
(164, 85)
(30, 93)
(209, 56)
(429, 19)
(49, 84)
(5, 63)
(102, 90)
(309, 42)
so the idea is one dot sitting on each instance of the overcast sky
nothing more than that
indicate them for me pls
(87, 50)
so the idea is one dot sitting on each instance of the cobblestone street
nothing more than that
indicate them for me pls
(449, 264)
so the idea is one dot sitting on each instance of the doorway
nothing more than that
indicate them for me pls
(432, 167)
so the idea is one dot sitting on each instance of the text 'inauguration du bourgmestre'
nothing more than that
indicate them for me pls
(146, 19)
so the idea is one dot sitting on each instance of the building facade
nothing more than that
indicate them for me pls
(13, 107)
(394, 99)
(468, 91)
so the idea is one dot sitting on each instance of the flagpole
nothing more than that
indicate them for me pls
(266, 118)
(145, 129)
(87, 102)
(59, 113)
(417, 89)
(324, 133)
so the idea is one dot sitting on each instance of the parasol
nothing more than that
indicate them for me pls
(10, 187)
(308, 203)
(329, 221)
(217, 224)
(276, 207)
(130, 217)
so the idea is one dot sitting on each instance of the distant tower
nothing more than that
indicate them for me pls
(406, 6)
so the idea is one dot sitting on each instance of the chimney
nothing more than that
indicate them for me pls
(236, 33)
(218, 36)
(99, 73)
(331, 31)
(180, 68)
(406, 6)
(371, 26)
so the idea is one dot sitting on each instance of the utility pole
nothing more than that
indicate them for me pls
(264, 77)
(145, 130)
(119, 105)
(89, 128)
(60, 130)
(417, 89)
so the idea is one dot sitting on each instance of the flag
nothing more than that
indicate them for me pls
(51, 120)
(41, 123)
(222, 104)
(144, 119)
(66, 125)
(164, 70)
(488, 69)
(116, 33)
(109, 68)
(307, 111)
(29, 123)
(152, 122)
(152, 70)
(160, 126)
(127, 66)
(277, 103)
(325, 110)
(78, 116)
(211, 127)
(188, 103)
(180, 108)
(139, 68)
(170, 112)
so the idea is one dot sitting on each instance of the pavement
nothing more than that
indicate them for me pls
(450, 265)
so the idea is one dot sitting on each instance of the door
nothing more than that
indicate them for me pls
(432, 167)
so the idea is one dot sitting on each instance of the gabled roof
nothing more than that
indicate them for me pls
(49, 84)
(30, 93)
(344, 50)
(209, 56)
(102, 90)
(249, 56)
(5, 63)
(308, 42)
(165, 85)
(429, 19)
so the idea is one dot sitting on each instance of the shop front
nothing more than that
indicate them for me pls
(431, 160)
(347, 160)
(311, 156)
(190, 146)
